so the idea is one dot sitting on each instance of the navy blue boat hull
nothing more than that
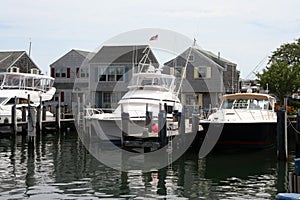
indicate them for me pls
(243, 135)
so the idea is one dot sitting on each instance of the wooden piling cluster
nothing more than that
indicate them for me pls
(34, 119)
(147, 140)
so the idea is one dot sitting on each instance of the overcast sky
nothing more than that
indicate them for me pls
(243, 31)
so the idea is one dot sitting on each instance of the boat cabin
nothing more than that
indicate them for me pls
(152, 80)
(253, 101)
(21, 81)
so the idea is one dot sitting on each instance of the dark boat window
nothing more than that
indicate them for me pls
(227, 104)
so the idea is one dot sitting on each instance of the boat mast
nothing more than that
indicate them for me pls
(185, 66)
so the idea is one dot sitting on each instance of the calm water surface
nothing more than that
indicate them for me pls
(57, 166)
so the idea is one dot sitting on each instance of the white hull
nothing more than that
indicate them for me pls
(112, 129)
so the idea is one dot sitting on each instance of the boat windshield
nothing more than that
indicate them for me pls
(153, 81)
(254, 104)
(2, 99)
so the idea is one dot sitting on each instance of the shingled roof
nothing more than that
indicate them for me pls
(123, 54)
(73, 56)
(18, 59)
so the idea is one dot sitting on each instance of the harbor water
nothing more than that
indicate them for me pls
(58, 166)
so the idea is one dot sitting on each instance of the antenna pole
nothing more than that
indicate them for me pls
(184, 70)
(29, 52)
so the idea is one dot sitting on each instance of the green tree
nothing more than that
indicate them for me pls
(282, 75)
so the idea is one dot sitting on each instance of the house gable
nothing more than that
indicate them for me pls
(73, 58)
(18, 60)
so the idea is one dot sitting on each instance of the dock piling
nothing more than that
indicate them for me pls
(281, 135)
(149, 116)
(297, 153)
(125, 126)
(44, 110)
(14, 116)
(57, 114)
(39, 116)
(195, 122)
(162, 128)
(31, 122)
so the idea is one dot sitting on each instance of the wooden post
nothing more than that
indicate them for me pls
(297, 137)
(125, 127)
(39, 116)
(23, 113)
(281, 135)
(149, 116)
(57, 116)
(182, 121)
(162, 128)
(195, 122)
(31, 124)
(14, 116)
(78, 111)
(44, 111)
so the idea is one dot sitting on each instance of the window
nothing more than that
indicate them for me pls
(63, 74)
(82, 73)
(102, 74)
(106, 100)
(119, 73)
(191, 58)
(14, 69)
(57, 73)
(111, 99)
(34, 71)
(179, 72)
(111, 73)
(202, 72)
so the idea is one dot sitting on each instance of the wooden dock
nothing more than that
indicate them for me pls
(36, 118)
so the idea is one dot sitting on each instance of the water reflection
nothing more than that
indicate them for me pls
(57, 165)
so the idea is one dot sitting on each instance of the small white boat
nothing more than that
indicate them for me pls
(151, 89)
(243, 120)
(17, 87)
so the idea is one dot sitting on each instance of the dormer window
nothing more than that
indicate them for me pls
(34, 71)
(14, 69)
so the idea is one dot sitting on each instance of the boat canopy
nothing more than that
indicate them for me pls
(251, 101)
(10, 80)
(248, 96)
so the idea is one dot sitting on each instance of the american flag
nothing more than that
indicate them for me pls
(155, 37)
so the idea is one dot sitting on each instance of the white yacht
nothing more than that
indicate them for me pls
(243, 120)
(17, 87)
(151, 89)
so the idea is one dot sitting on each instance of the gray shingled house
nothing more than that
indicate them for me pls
(111, 70)
(17, 61)
(231, 75)
(66, 70)
(204, 76)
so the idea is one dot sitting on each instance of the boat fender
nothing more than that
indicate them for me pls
(154, 127)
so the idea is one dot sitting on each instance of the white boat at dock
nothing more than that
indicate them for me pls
(243, 120)
(149, 90)
(15, 88)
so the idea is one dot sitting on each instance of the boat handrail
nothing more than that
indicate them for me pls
(24, 88)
